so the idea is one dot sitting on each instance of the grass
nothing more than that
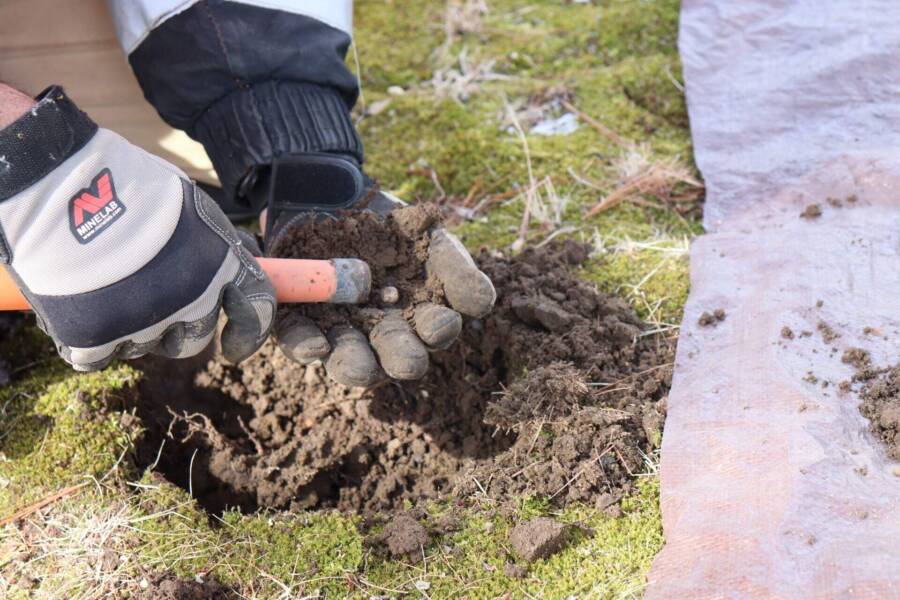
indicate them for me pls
(451, 93)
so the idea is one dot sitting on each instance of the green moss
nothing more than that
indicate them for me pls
(609, 561)
(395, 40)
(54, 432)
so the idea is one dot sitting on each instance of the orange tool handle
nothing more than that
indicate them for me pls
(342, 280)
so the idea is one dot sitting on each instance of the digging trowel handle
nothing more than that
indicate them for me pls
(337, 281)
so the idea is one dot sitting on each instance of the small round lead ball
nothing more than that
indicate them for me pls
(390, 295)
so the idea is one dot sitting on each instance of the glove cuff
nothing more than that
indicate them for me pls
(40, 140)
(250, 127)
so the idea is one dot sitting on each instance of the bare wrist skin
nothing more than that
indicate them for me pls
(13, 104)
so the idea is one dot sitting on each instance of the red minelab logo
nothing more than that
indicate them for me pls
(94, 209)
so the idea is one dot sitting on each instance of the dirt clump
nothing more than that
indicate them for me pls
(168, 586)
(517, 405)
(711, 319)
(828, 333)
(813, 211)
(404, 537)
(859, 359)
(557, 388)
(881, 405)
(539, 538)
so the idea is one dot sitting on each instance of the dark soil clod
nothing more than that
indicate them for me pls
(168, 586)
(539, 538)
(404, 537)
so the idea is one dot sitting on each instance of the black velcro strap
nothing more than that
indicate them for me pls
(305, 182)
(250, 127)
(38, 141)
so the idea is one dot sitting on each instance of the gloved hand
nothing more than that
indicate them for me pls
(118, 253)
(313, 185)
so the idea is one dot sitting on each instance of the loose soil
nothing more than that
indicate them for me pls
(881, 405)
(558, 392)
(168, 586)
(395, 247)
(879, 393)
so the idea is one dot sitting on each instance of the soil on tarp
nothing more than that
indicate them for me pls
(560, 391)
(881, 405)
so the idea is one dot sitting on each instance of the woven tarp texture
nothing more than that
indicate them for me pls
(772, 484)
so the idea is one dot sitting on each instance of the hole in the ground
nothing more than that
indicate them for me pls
(554, 393)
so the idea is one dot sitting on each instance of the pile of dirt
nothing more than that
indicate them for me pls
(557, 392)
(881, 405)
(879, 393)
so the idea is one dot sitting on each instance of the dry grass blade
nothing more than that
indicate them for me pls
(603, 129)
(640, 174)
(46, 501)
(519, 242)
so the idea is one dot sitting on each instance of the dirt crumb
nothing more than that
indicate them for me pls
(712, 319)
(168, 586)
(539, 538)
(787, 333)
(828, 334)
(813, 211)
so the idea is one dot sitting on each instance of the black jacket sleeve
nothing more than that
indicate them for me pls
(250, 84)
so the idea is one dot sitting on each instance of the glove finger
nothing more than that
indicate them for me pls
(352, 362)
(179, 340)
(250, 318)
(468, 290)
(437, 326)
(179, 343)
(401, 353)
(299, 338)
(83, 362)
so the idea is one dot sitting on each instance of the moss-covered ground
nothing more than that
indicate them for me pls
(451, 93)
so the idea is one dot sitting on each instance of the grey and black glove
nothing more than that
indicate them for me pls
(318, 186)
(119, 254)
